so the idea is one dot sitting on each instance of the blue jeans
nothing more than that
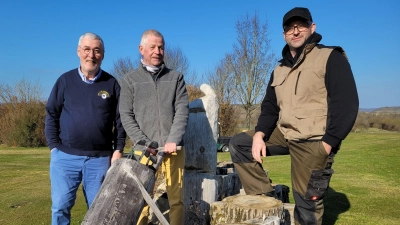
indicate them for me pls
(67, 172)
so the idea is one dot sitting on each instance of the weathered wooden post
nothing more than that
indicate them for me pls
(200, 187)
(203, 185)
(202, 132)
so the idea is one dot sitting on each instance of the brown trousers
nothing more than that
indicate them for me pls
(173, 170)
(310, 171)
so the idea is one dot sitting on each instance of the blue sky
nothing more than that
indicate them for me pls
(38, 39)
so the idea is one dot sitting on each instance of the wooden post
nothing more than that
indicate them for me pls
(202, 132)
(202, 183)
(200, 186)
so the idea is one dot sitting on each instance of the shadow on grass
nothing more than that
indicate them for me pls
(335, 203)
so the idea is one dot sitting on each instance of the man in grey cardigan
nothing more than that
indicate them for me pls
(154, 107)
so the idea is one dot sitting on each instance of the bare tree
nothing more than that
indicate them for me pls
(251, 63)
(23, 91)
(222, 81)
(175, 59)
(193, 92)
(123, 66)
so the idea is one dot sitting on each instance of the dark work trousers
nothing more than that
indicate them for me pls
(310, 171)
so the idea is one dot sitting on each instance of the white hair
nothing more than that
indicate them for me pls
(91, 36)
(147, 33)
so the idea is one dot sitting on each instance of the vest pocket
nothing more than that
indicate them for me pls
(310, 122)
(310, 112)
(278, 79)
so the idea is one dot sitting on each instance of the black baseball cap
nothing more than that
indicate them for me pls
(303, 13)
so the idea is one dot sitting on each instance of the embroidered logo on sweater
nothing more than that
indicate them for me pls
(103, 94)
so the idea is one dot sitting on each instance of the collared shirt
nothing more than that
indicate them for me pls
(84, 79)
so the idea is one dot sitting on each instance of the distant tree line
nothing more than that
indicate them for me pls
(22, 116)
(385, 121)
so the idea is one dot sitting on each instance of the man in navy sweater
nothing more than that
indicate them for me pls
(83, 129)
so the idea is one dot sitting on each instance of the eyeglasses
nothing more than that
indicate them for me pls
(300, 27)
(96, 51)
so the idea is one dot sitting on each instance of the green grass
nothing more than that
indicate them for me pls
(364, 188)
(25, 188)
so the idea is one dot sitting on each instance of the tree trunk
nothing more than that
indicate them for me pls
(242, 208)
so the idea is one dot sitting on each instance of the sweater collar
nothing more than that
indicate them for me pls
(84, 79)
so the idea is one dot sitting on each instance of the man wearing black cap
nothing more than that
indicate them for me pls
(310, 106)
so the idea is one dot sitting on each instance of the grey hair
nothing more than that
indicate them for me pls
(147, 33)
(91, 36)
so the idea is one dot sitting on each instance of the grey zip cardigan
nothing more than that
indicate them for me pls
(154, 109)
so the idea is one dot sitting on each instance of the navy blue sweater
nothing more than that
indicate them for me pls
(83, 119)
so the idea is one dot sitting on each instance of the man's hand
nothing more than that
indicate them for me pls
(258, 148)
(116, 155)
(170, 147)
(327, 147)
